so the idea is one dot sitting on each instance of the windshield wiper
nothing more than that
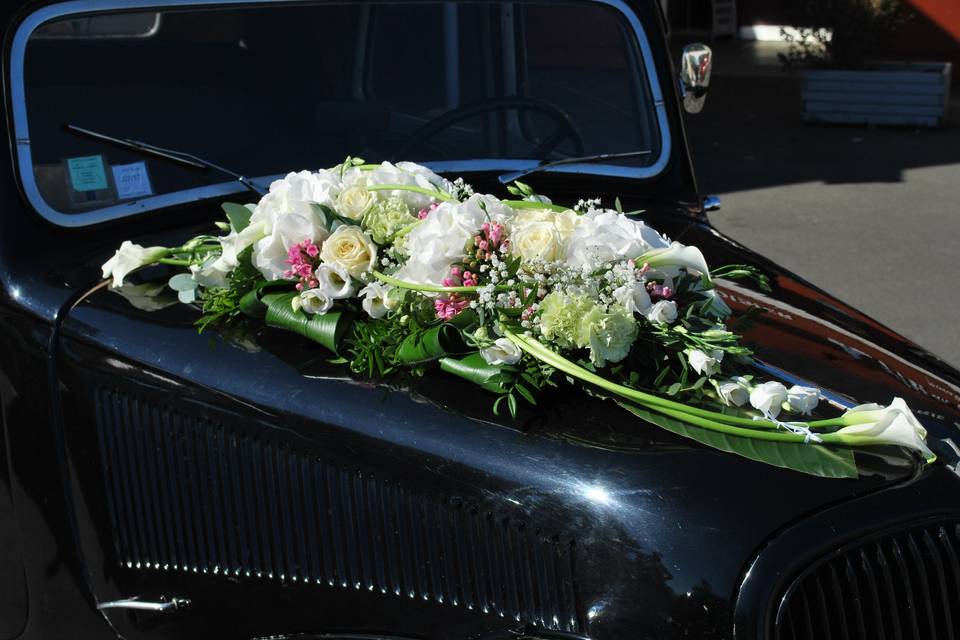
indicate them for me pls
(544, 164)
(180, 157)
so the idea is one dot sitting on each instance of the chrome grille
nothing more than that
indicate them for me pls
(902, 585)
(187, 493)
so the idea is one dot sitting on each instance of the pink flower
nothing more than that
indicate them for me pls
(447, 308)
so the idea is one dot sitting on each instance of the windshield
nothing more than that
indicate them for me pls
(268, 89)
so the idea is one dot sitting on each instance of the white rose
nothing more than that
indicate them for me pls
(768, 398)
(538, 234)
(803, 399)
(350, 248)
(334, 281)
(375, 299)
(312, 301)
(895, 424)
(703, 364)
(664, 311)
(129, 257)
(734, 392)
(607, 236)
(633, 297)
(353, 202)
(502, 351)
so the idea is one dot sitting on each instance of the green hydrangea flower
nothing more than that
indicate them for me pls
(387, 217)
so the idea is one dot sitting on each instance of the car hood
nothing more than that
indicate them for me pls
(654, 518)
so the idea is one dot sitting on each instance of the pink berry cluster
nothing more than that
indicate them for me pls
(303, 260)
(488, 245)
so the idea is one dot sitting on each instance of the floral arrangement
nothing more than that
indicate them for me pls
(395, 269)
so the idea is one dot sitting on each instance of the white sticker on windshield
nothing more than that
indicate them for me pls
(132, 180)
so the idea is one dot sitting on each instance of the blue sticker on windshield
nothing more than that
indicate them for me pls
(87, 173)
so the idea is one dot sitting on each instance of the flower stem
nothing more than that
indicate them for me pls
(539, 351)
(439, 195)
(431, 288)
(174, 262)
(527, 204)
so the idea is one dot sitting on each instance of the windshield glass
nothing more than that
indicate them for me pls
(268, 89)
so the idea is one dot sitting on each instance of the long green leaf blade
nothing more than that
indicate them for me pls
(812, 459)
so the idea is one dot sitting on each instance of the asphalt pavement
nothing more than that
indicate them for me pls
(871, 215)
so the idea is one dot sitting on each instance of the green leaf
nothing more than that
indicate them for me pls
(812, 459)
(327, 329)
(430, 344)
(475, 369)
(237, 214)
(252, 304)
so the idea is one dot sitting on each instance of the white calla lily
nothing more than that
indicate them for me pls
(129, 257)
(894, 424)
(678, 256)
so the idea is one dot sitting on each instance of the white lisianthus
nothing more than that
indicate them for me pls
(662, 312)
(704, 364)
(129, 257)
(502, 351)
(539, 234)
(353, 202)
(803, 399)
(768, 398)
(351, 248)
(376, 298)
(715, 304)
(633, 297)
(312, 301)
(334, 281)
(676, 256)
(608, 236)
(894, 424)
(270, 254)
(212, 273)
(734, 392)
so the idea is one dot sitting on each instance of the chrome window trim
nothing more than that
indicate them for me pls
(74, 7)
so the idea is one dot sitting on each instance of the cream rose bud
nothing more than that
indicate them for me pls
(355, 201)
(734, 392)
(374, 300)
(502, 351)
(768, 398)
(662, 312)
(334, 281)
(350, 248)
(704, 364)
(633, 297)
(803, 399)
(312, 301)
(128, 258)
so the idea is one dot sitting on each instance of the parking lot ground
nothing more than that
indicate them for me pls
(871, 215)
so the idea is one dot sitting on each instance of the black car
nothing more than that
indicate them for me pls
(157, 482)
